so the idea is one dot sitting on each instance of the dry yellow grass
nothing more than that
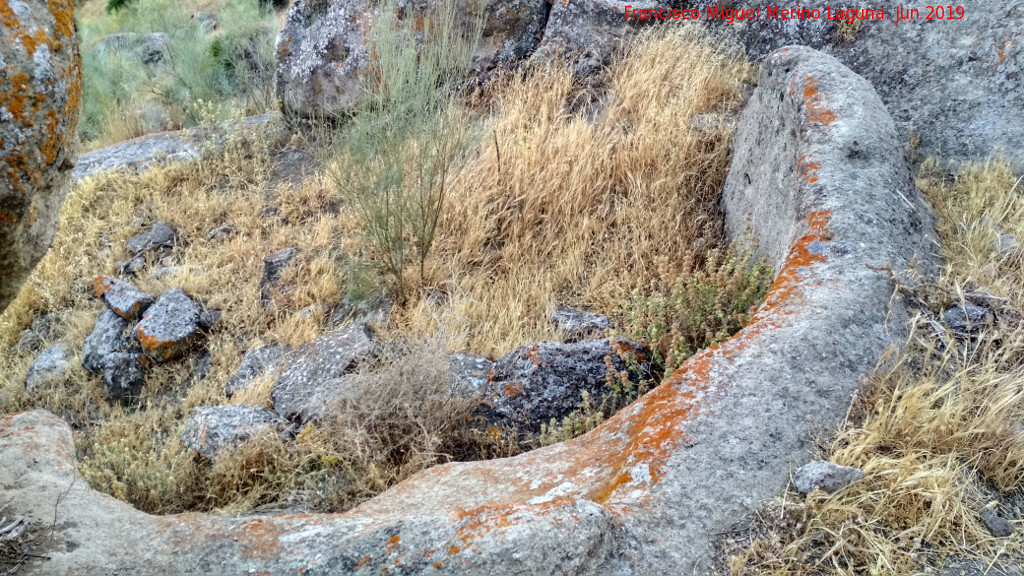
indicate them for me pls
(585, 206)
(579, 210)
(936, 430)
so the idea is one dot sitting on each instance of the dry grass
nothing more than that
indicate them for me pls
(581, 210)
(936, 430)
(583, 206)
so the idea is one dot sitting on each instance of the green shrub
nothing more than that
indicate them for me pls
(205, 76)
(704, 305)
(395, 156)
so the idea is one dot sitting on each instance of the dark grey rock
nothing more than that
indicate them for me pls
(108, 336)
(219, 233)
(302, 388)
(534, 384)
(159, 235)
(579, 324)
(824, 475)
(586, 33)
(995, 524)
(208, 319)
(124, 299)
(273, 266)
(968, 318)
(43, 328)
(212, 428)
(323, 50)
(468, 374)
(169, 326)
(372, 309)
(48, 367)
(124, 376)
(256, 364)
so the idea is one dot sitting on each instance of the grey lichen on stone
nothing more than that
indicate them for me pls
(305, 384)
(213, 428)
(257, 363)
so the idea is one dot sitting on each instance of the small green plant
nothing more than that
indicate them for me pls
(394, 160)
(704, 305)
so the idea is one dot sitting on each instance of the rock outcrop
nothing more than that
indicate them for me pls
(40, 101)
(958, 82)
(323, 48)
(818, 175)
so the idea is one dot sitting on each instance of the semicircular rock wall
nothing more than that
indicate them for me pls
(818, 175)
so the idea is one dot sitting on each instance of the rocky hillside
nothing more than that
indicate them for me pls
(512, 288)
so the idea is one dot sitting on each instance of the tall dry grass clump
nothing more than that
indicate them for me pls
(564, 205)
(936, 429)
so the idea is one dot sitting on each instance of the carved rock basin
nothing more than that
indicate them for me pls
(818, 176)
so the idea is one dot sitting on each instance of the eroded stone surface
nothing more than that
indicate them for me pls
(40, 101)
(211, 428)
(958, 83)
(273, 266)
(646, 492)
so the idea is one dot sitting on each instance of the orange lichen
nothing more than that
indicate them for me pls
(808, 168)
(362, 562)
(261, 538)
(101, 285)
(512, 389)
(812, 102)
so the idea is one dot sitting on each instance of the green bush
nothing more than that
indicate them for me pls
(205, 75)
(704, 305)
(394, 158)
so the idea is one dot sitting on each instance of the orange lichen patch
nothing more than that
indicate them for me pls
(453, 550)
(512, 389)
(812, 103)
(392, 543)
(800, 256)
(260, 538)
(533, 354)
(808, 168)
(101, 285)
(362, 562)
(485, 520)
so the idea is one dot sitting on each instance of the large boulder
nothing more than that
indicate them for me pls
(958, 82)
(323, 47)
(545, 381)
(149, 49)
(40, 101)
(650, 489)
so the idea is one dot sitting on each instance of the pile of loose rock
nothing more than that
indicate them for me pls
(520, 391)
